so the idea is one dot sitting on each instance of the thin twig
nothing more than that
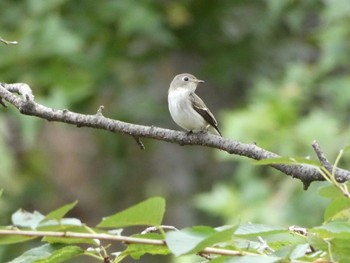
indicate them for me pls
(8, 42)
(264, 246)
(328, 170)
(298, 230)
(321, 156)
(123, 239)
(153, 229)
(140, 143)
(68, 234)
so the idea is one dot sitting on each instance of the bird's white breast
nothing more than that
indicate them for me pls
(182, 112)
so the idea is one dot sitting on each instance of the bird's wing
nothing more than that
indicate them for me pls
(203, 110)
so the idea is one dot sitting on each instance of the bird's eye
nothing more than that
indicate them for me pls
(185, 78)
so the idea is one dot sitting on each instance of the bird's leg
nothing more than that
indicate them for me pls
(189, 132)
(204, 131)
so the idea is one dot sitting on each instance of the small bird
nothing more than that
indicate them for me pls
(187, 109)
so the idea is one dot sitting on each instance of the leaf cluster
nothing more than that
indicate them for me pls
(65, 238)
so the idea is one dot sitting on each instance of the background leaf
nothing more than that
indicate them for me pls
(138, 250)
(60, 212)
(23, 218)
(258, 230)
(187, 240)
(149, 212)
(48, 254)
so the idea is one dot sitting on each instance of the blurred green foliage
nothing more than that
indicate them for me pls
(277, 74)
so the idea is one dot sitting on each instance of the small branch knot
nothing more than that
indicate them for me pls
(27, 106)
(139, 143)
(99, 111)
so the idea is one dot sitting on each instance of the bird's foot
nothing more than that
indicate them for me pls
(189, 132)
(197, 132)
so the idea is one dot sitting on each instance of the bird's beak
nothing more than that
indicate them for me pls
(199, 81)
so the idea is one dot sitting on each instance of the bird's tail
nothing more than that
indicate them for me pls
(214, 131)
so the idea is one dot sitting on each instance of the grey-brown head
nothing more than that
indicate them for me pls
(185, 80)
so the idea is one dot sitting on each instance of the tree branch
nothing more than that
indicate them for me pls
(109, 237)
(26, 105)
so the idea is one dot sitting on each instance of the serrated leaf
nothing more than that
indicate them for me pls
(347, 148)
(138, 250)
(293, 251)
(23, 218)
(215, 238)
(341, 249)
(278, 241)
(339, 246)
(330, 191)
(342, 215)
(60, 212)
(300, 251)
(333, 229)
(258, 229)
(195, 239)
(34, 254)
(339, 208)
(336, 227)
(220, 259)
(186, 240)
(69, 240)
(288, 161)
(63, 254)
(63, 224)
(251, 259)
(48, 254)
(149, 212)
(13, 239)
(317, 242)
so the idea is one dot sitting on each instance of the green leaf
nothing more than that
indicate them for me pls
(148, 212)
(287, 160)
(186, 240)
(195, 239)
(337, 244)
(59, 213)
(293, 251)
(258, 230)
(62, 225)
(23, 218)
(317, 242)
(63, 254)
(330, 191)
(278, 241)
(333, 229)
(48, 254)
(138, 250)
(69, 240)
(342, 215)
(299, 251)
(215, 238)
(346, 148)
(247, 259)
(13, 239)
(338, 209)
